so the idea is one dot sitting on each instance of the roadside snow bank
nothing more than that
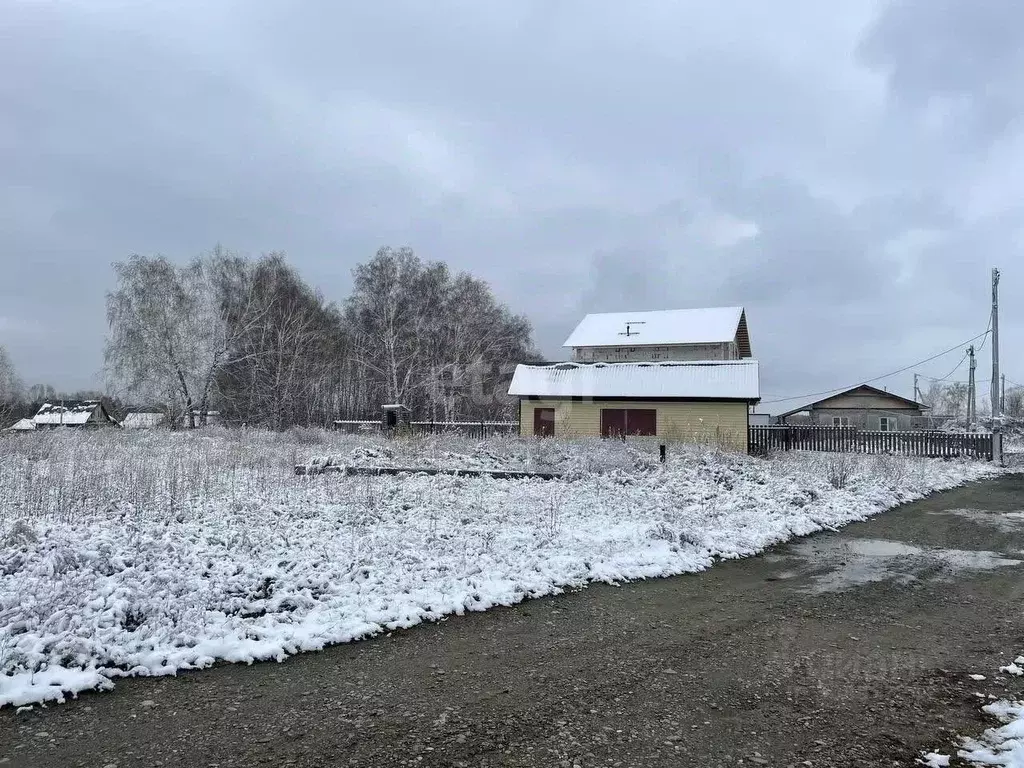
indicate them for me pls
(257, 566)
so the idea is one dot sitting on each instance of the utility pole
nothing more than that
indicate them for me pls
(996, 404)
(1002, 396)
(971, 405)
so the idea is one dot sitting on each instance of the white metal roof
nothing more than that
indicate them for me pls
(728, 380)
(22, 425)
(668, 326)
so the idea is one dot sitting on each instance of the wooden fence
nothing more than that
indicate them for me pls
(853, 440)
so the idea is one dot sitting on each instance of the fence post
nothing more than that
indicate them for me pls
(661, 453)
(997, 447)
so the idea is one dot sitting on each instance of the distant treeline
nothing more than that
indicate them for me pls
(251, 339)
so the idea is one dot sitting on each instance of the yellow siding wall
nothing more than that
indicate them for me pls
(722, 423)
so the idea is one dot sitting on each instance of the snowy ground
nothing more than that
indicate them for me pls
(1001, 745)
(144, 554)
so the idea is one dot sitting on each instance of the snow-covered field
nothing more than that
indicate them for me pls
(146, 553)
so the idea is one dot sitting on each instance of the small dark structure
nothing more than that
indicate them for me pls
(395, 418)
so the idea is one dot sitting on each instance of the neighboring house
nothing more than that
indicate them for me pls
(22, 425)
(690, 401)
(717, 333)
(72, 413)
(144, 420)
(863, 406)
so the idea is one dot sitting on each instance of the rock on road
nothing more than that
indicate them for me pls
(844, 649)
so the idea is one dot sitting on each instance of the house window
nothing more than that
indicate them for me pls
(887, 423)
(619, 422)
(840, 421)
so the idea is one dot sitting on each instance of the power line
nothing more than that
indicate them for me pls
(955, 369)
(988, 329)
(877, 378)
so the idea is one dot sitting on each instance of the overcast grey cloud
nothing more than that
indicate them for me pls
(847, 171)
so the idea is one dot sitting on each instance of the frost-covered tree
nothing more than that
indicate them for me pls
(10, 386)
(286, 365)
(253, 339)
(40, 393)
(954, 399)
(440, 344)
(1014, 405)
(172, 329)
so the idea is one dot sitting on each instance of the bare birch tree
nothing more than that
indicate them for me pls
(430, 341)
(252, 338)
(173, 328)
(11, 388)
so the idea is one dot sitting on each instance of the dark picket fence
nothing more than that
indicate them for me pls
(472, 429)
(853, 440)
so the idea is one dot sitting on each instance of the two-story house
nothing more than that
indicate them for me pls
(716, 333)
(683, 374)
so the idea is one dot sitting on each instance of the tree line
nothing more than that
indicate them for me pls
(250, 339)
(950, 399)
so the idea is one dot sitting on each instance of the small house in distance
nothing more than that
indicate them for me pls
(694, 402)
(863, 406)
(73, 413)
(144, 419)
(714, 333)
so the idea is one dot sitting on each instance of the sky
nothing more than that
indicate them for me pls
(848, 172)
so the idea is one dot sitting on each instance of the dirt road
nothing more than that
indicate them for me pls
(845, 649)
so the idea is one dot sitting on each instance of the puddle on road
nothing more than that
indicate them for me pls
(1007, 522)
(851, 563)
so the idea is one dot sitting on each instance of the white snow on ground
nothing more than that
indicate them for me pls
(1016, 668)
(146, 554)
(1002, 745)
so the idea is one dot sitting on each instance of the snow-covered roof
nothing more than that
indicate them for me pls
(22, 425)
(143, 419)
(725, 380)
(71, 413)
(669, 326)
(808, 405)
